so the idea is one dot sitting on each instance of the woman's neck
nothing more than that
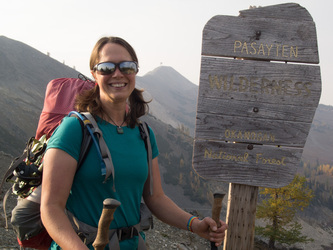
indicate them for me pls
(115, 114)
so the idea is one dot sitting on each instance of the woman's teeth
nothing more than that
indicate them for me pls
(118, 85)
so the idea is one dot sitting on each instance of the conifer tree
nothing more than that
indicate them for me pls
(279, 208)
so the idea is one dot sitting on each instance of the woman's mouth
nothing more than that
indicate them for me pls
(118, 85)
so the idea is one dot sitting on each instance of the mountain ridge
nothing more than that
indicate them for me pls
(165, 82)
(173, 104)
(174, 99)
(22, 92)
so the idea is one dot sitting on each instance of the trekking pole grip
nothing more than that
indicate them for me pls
(216, 211)
(102, 238)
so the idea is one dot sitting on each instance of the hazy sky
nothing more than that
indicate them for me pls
(167, 32)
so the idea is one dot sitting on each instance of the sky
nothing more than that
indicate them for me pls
(163, 32)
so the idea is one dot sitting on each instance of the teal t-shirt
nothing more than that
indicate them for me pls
(89, 190)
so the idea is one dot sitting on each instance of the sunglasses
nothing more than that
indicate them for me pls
(108, 68)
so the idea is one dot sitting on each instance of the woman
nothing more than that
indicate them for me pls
(116, 104)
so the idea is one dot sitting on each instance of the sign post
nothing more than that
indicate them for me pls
(258, 93)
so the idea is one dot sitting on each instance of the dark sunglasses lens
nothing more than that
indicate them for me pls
(128, 68)
(106, 68)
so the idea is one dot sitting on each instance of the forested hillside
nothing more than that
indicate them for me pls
(320, 179)
(317, 160)
(175, 147)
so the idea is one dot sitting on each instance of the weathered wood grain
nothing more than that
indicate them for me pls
(251, 130)
(241, 216)
(256, 109)
(254, 113)
(257, 81)
(268, 99)
(261, 38)
(287, 11)
(243, 163)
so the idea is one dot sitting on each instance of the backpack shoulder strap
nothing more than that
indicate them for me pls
(91, 129)
(144, 132)
(86, 138)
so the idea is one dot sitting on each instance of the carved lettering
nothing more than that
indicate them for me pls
(293, 51)
(238, 135)
(262, 85)
(284, 48)
(281, 50)
(269, 49)
(254, 50)
(245, 48)
(261, 49)
(225, 156)
(259, 158)
(237, 45)
(270, 161)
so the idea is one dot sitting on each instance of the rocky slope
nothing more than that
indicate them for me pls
(165, 237)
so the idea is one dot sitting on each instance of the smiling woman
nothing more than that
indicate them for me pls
(114, 65)
(115, 83)
(117, 105)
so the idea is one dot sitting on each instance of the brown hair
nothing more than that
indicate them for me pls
(89, 101)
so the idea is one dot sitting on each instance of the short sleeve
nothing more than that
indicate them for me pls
(67, 137)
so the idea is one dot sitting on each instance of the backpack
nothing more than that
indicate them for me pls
(27, 169)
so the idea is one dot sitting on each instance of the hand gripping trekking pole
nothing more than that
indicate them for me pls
(102, 238)
(216, 210)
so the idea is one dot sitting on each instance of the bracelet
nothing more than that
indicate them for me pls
(189, 223)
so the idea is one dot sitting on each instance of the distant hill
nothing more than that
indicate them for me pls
(319, 144)
(174, 98)
(24, 73)
(22, 92)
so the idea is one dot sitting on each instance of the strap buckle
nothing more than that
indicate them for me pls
(126, 233)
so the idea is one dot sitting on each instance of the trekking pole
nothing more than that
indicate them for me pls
(102, 238)
(216, 210)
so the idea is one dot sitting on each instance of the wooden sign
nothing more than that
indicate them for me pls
(255, 108)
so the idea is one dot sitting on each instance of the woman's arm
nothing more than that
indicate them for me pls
(167, 211)
(58, 174)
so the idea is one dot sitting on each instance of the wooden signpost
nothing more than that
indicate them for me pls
(258, 93)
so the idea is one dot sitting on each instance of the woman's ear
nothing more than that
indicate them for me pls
(93, 74)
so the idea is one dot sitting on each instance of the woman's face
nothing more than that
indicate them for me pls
(117, 86)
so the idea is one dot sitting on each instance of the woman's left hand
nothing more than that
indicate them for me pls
(207, 229)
